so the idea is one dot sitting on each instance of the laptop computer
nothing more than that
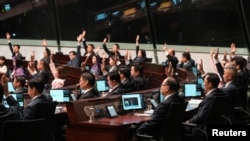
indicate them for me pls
(11, 87)
(102, 86)
(192, 90)
(18, 97)
(60, 95)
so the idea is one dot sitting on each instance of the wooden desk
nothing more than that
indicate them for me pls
(106, 129)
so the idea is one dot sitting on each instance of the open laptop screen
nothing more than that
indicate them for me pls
(18, 97)
(60, 95)
(132, 102)
(192, 90)
(10, 87)
(102, 85)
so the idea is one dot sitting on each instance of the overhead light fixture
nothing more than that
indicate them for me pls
(164, 6)
(129, 12)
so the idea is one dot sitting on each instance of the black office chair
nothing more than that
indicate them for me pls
(172, 126)
(45, 110)
(215, 117)
(27, 130)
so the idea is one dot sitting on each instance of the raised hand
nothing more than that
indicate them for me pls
(44, 42)
(32, 56)
(79, 38)
(83, 33)
(7, 35)
(212, 52)
(187, 50)
(104, 40)
(225, 55)
(96, 50)
(216, 53)
(200, 68)
(233, 48)
(165, 46)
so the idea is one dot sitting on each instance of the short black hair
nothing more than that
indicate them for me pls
(73, 52)
(37, 83)
(2, 58)
(88, 76)
(21, 79)
(173, 84)
(18, 46)
(138, 67)
(125, 70)
(213, 78)
(186, 55)
(114, 76)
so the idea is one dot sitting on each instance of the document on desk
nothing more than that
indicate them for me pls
(146, 113)
(142, 114)
(192, 104)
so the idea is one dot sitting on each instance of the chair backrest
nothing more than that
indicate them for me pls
(172, 126)
(27, 130)
(149, 60)
(45, 110)
(217, 112)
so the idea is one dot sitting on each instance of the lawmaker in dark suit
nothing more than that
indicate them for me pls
(75, 57)
(186, 62)
(89, 49)
(126, 81)
(115, 49)
(153, 127)
(15, 50)
(35, 91)
(115, 86)
(19, 84)
(211, 82)
(87, 84)
(13, 111)
(137, 77)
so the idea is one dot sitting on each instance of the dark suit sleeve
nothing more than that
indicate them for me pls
(78, 56)
(28, 112)
(156, 120)
(85, 46)
(11, 49)
(137, 50)
(203, 111)
(220, 69)
(106, 49)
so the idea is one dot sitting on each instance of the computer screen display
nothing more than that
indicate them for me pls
(102, 85)
(132, 102)
(192, 90)
(201, 82)
(60, 95)
(111, 111)
(18, 97)
(10, 87)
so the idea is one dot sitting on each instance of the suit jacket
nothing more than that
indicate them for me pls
(17, 56)
(231, 90)
(187, 66)
(116, 91)
(45, 75)
(242, 79)
(127, 85)
(154, 126)
(29, 111)
(75, 62)
(86, 52)
(111, 53)
(174, 61)
(138, 83)
(93, 93)
(14, 112)
(204, 107)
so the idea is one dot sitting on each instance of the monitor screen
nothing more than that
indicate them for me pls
(102, 85)
(111, 111)
(132, 102)
(60, 95)
(100, 16)
(10, 87)
(18, 97)
(192, 90)
(201, 82)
